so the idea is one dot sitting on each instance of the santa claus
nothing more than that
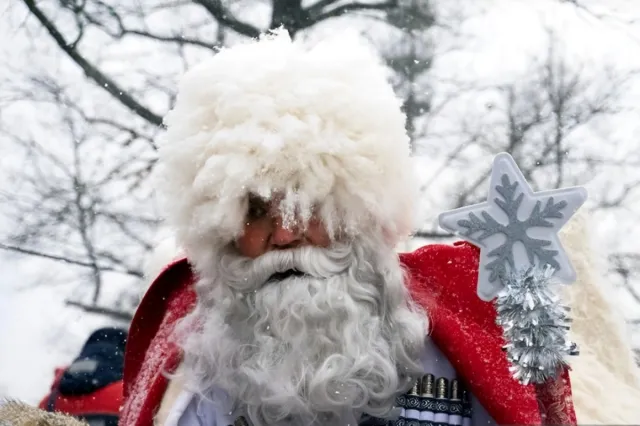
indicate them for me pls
(288, 183)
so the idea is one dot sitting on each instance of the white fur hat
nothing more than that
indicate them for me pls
(317, 123)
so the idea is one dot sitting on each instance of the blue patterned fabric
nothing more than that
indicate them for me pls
(438, 399)
(421, 404)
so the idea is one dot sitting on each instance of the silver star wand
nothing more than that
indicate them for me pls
(521, 261)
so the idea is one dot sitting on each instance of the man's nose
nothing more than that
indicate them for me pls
(284, 237)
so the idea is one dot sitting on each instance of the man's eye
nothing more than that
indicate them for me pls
(257, 209)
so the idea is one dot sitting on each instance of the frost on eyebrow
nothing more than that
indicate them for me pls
(294, 208)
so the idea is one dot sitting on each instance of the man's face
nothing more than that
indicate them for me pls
(265, 231)
(299, 346)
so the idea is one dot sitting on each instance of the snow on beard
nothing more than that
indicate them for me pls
(301, 335)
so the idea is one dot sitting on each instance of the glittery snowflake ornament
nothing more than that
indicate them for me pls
(521, 258)
(515, 228)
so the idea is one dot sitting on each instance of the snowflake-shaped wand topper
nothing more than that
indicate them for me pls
(515, 228)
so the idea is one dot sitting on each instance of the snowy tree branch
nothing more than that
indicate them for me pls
(68, 260)
(317, 7)
(172, 39)
(350, 7)
(102, 310)
(431, 235)
(90, 70)
(224, 17)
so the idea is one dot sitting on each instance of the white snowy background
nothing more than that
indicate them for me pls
(481, 48)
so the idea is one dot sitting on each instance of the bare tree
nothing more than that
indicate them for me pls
(603, 11)
(557, 122)
(411, 58)
(112, 18)
(74, 203)
(542, 119)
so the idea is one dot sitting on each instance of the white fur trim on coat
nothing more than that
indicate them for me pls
(605, 380)
(318, 123)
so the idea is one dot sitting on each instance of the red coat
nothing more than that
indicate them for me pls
(442, 278)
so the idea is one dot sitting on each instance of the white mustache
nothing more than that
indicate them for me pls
(245, 274)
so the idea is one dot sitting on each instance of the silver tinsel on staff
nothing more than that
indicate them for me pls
(535, 325)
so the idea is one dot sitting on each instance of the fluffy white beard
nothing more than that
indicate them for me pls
(301, 351)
